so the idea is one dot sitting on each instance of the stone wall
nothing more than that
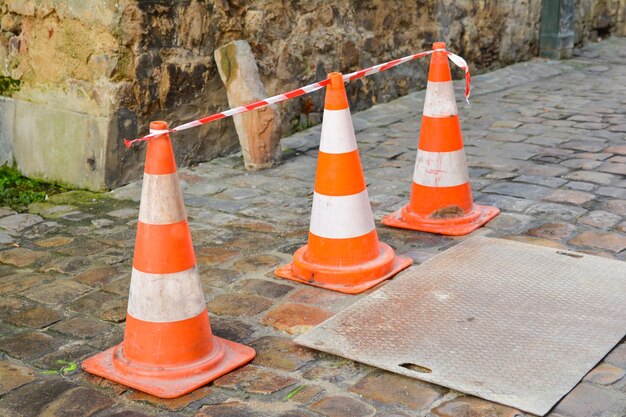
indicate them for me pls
(82, 75)
(65, 55)
(596, 19)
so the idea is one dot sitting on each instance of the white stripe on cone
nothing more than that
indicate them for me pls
(337, 132)
(341, 217)
(161, 298)
(440, 101)
(161, 200)
(440, 169)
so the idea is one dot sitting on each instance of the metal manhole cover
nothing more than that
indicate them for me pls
(512, 323)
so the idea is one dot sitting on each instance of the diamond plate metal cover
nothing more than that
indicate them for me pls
(512, 323)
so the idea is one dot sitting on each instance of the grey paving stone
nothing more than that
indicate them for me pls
(526, 191)
(500, 175)
(580, 186)
(591, 176)
(617, 192)
(590, 400)
(511, 124)
(591, 125)
(559, 123)
(543, 170)
(76, 216)
(500, 164)
(124, 213)
(510, 223)
(14, 376)
(555, 212)
(544, 140)
(549, 158)
(583, 145)
(18, 222)
(570, 197)
(580, 163)
(505, 137)
(596, 156)
(57, 292)
(613, 168)
(533, 128)
(618, 128)
(227, 206)
(101, 223)
(477, 172)
(29, 345)
(600, 219)
(32, 399)
(240, 193)
(505, 203)
(546, 181)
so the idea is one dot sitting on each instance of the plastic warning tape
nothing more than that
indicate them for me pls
(457, 60)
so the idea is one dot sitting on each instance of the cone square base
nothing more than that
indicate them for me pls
(398, 263)
(457, 226)
(164, 383)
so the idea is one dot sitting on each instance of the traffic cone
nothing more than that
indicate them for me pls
(168, 348)
(441, 195)
(343, 252)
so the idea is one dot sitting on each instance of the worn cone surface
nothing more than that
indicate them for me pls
(168, 348)
(343, 252)
(441, 195)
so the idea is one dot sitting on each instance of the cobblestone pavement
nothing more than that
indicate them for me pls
(545, 143)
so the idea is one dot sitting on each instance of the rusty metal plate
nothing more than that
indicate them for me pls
(509, 322)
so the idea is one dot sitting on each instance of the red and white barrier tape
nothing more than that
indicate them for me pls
(457, 60)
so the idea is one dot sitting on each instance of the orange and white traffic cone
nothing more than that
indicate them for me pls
(168, 348)
(441, 195)
(343, 252)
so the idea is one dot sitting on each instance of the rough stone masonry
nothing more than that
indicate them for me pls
(78, 76)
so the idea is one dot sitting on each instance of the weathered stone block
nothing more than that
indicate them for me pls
(60, 145)
(258, 130)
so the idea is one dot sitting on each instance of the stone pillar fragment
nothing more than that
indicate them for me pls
(258, 130)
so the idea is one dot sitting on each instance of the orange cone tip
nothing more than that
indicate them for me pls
(343, 251)
(168, 348)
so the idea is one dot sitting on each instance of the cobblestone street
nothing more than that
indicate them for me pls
(545, 142)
